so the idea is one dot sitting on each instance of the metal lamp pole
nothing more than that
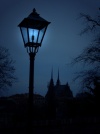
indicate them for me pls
(31, 78)
(31, 92)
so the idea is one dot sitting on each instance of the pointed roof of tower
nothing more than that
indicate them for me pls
(51, 80)
(58, 80)
(52, 73)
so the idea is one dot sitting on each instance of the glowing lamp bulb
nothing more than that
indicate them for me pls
(32, 38)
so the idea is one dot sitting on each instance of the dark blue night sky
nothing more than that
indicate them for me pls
(61, 43)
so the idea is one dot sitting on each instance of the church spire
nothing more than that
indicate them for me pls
(58, 81)
(51, 81)
(52, 73)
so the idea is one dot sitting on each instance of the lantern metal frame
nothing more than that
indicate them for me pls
(33, 40)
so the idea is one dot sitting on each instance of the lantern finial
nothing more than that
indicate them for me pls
(34, 12)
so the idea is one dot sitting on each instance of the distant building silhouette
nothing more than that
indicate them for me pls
(57, 95)
(58, 90)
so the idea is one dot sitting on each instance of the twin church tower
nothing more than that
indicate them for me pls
(58, 91)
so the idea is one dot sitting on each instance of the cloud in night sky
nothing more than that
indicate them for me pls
(60, 45)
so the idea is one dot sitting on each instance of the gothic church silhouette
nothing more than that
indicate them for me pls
(56, 98)
(58, 91)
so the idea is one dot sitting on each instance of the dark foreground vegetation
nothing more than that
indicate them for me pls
(75, 116)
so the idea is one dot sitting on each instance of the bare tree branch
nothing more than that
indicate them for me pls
(90, 56)
(6, 69)
(92, 24)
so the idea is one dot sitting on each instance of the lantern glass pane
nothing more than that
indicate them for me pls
(33, 35)
(41, 35)
(24, 34)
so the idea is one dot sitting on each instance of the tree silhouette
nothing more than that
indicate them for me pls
(90, 78)
(6, 69)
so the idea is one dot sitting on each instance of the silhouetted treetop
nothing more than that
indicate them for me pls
(91, 22)
(90, 78)
(6, 69)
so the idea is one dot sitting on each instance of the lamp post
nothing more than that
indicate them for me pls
(33, 29)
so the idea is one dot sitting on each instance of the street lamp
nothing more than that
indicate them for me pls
(32, 29)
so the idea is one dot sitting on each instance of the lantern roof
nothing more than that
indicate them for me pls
(34, 21)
